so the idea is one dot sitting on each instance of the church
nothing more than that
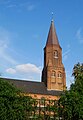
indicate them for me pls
(53, 79)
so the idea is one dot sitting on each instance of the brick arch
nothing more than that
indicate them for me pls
(59, 74)
(53, 73)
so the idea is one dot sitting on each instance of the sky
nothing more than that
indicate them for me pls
(24, 26)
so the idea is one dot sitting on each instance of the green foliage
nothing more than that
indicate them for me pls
(78, 70)
(71, 103)
(13, 105)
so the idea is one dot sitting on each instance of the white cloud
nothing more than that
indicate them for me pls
(4, 44)
(65, 54)
(24, 69)
(11, 6)
(27, 68)
(4, 1)
(79, 35)
(11, 71)
(15, 4)
(30, 7)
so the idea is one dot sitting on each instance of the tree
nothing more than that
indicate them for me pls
(71, 102)
(13, 105)
(77, 70)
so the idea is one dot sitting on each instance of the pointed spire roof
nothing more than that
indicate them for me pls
(52, 38)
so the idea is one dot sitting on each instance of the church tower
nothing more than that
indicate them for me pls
(53, 74)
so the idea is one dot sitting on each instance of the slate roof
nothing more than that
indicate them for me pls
(33, 87)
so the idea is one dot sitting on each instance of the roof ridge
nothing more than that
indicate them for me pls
(13, 79)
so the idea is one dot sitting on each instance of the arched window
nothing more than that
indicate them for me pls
(59, 75)
(53, 74)
(55, 54)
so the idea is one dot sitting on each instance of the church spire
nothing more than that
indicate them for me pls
(52, 38)
(53, 74)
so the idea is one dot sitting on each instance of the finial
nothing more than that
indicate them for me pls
(52, 16)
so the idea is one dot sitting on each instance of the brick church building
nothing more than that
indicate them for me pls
(53, 79)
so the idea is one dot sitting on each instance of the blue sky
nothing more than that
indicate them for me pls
(24, 26)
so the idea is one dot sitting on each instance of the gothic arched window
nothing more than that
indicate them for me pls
(55, 54)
